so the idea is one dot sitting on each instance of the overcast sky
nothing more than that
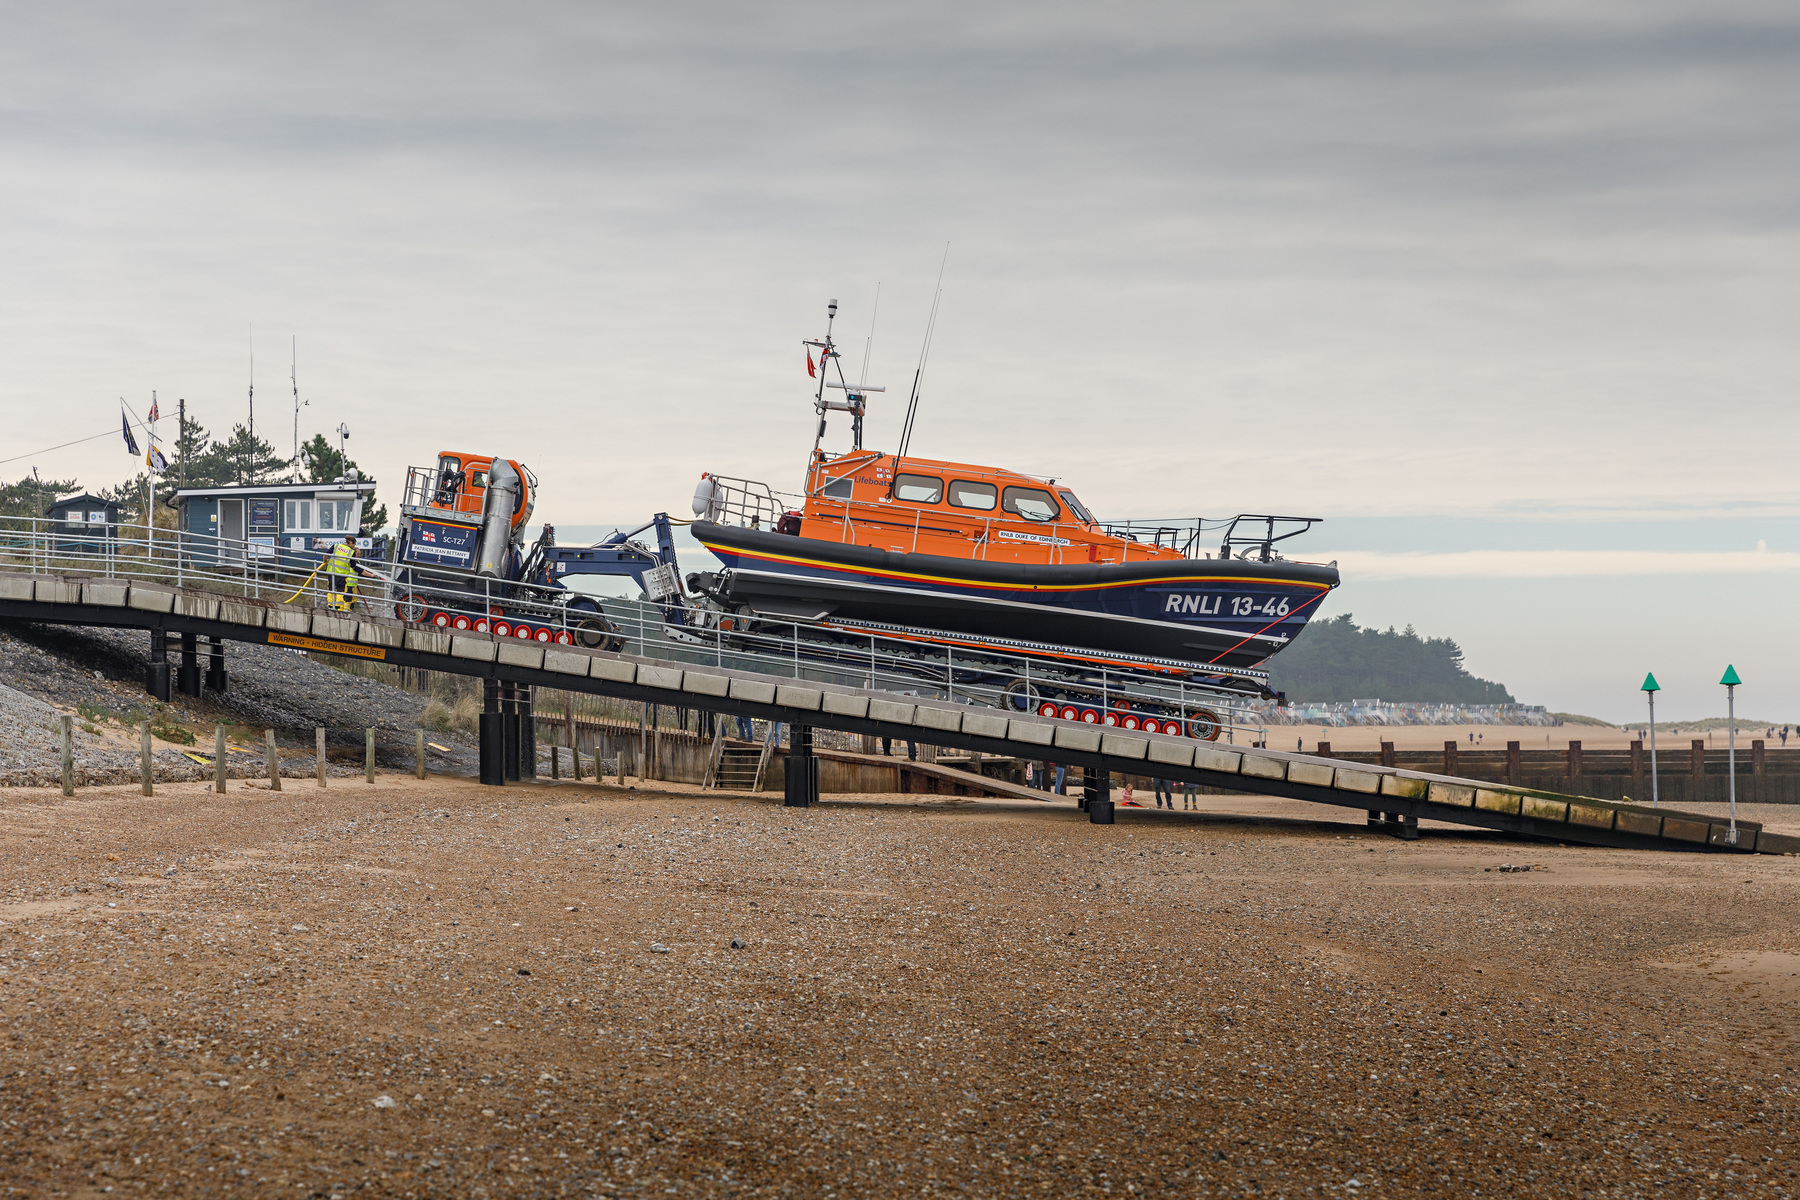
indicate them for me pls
(1530, 268)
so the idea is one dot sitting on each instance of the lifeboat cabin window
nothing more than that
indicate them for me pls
(1034, 504)
(838, 489)
(918, 489)
(964, 494)
(1081, 514)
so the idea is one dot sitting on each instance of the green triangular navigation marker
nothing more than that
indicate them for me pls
(1731, 679)
(1650, 684)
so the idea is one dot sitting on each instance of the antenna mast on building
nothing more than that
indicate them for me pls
(252, 380)
(294, 378)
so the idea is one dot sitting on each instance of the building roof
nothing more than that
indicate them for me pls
(364, 486)
(87, 497)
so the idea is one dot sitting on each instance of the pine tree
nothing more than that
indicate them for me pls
(1337, 660)
(247, 459)
(31, 496)
(321, 462)
(194, 465)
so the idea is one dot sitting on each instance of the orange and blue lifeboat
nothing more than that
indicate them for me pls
(950, 546)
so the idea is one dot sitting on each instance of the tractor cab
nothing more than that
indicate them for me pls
(460, 485)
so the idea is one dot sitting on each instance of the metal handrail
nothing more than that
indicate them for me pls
(872, 660)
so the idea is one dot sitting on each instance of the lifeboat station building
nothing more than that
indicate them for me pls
(283, 525)
(83, 523)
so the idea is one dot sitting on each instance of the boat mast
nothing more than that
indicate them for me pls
(855, 401)
(812, 460)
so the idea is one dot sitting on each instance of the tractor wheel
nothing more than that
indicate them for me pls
(1020, 696)
(1205, 725)
(597, 633)
(410, 607)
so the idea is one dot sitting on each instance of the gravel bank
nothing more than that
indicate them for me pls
(435, 989)
(100, 672)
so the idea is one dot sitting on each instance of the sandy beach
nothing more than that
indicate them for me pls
(437, 989)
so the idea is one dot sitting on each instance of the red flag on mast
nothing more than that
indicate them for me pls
(809, 365)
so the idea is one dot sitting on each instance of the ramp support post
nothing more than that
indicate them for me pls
(492, 736)
(1409, 829)
(802, 788)
(1374, 818)
(156, 675)
(527, 732)
(187, 678)
(509, 724)
(215, 664)
(1096, 789)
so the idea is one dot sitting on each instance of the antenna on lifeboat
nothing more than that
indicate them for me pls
(912, 405)
(825, 357)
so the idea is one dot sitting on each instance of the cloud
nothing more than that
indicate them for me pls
(1394, 257)
(1375, 567)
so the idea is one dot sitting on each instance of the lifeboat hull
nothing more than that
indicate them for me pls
(1207, 611)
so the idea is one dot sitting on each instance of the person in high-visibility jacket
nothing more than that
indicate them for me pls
(341, 567)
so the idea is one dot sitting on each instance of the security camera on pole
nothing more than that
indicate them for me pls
(1650, 688)
(1731, 682)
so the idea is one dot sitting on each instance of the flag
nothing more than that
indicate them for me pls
(809, 365)
(130, 442)
(153, 411)
(155, 461)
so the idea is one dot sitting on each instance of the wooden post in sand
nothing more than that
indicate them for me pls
(1450, 767)
(274, 762)
(1387, 754)
(319, 752)
(68, 755)
(146, 759)
(1514, 768)
(418, 754)
(219, 759)
(369, 755)
(1697, 765)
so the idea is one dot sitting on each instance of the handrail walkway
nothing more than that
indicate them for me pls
(1394, 798)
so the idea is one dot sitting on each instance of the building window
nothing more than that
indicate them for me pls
(320, 516)
(1034, 504)
(918, 489)
(965, 494)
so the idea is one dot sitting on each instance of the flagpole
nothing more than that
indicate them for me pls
(150, 490)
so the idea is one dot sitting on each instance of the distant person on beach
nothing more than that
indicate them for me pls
(1164, 793)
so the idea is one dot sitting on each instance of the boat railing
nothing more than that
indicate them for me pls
(745, 502)
(1191, 537)
(427, 488)
(1258, 545)
(1184, 535)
